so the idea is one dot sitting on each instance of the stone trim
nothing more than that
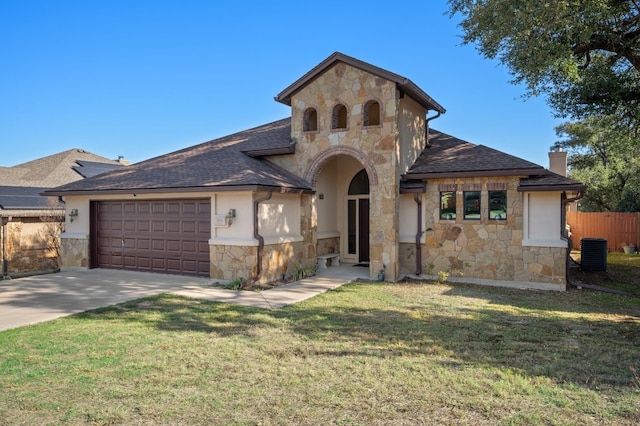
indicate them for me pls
(447, 187)
(497, 186)
(318, 162)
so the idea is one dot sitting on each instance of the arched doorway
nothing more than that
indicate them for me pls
(357, 218)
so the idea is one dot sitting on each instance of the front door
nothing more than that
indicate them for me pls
(358, 228)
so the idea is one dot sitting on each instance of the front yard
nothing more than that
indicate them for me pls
(365, 354)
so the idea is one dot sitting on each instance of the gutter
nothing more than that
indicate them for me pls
(256, 234)
(426, 128)
(417, 197)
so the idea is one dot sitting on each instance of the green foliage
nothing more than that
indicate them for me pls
(235, 284)
(606, 157)
(583, 54)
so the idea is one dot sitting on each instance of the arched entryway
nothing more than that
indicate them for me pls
(343, 178)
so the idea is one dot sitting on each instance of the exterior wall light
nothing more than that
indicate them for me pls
(73, 214)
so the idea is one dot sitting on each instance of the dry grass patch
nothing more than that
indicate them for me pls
(365, 354)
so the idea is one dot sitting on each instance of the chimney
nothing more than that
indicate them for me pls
(558, 162)
(122, 161)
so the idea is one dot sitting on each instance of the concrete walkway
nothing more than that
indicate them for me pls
(30, 300)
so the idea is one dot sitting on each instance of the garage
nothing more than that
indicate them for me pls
(165, 236)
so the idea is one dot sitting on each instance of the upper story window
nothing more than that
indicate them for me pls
(339, 117)
(310, 120)
(371, 113)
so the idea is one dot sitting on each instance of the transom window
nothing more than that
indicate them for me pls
(360, 183)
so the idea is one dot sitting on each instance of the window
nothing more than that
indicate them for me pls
(371, 113)
(447, 205)
(360, 183)
(498, 205)
(310, 120)
(471, 204)
(339, 117)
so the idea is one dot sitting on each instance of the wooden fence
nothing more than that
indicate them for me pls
(617, 228)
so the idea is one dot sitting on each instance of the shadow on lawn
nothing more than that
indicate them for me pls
(563, 348)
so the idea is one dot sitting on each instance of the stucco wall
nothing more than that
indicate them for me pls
(411, 132)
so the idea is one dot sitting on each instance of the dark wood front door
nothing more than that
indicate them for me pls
(167, 236)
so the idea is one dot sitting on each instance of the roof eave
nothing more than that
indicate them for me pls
(552, 188)
(475, 173)
(222, 188)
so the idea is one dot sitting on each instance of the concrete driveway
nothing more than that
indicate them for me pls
(40, 298)
(30, 300)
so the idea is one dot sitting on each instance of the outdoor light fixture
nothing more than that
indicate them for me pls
(73, 214)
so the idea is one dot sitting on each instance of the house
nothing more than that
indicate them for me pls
(356, 173)
(29, 222)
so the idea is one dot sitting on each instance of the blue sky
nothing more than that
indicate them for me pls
(142, 78)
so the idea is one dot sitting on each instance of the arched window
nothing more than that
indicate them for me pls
(310, 120)
(371, 113)
(360, 183)
(339, 117)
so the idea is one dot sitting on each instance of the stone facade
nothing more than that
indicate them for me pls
(74, 252)
(328, 245)
(32, 245)
(482, 249)
(376, 147)
(278, 260)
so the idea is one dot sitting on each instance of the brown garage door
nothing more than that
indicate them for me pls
(167, 236)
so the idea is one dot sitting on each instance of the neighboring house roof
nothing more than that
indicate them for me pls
(232, 162)
(406, 85)
(56, 169)
(26, 198)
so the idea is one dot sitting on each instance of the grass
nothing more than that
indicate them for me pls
(364, 354)
(623, 273)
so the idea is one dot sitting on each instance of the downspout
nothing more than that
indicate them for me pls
(256, 234)
(426, 127)
(417, 196)
(563, 225)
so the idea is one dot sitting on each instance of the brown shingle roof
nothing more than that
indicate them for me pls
(221, 164)
(407, 86)
(447, 157)
(550, 182)
(52, 170)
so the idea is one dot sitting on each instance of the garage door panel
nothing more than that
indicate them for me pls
(159, 236)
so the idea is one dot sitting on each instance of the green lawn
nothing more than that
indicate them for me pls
(365, 354)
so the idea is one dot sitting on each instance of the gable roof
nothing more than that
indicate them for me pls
(450, 157)
(406, 85)
(56, 169)
(233, 162)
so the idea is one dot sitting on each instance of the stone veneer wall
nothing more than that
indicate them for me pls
(232, 262)
(328, 245)
(30, 247)
(74, 252)
(376, 147)
(483, 249)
